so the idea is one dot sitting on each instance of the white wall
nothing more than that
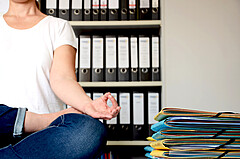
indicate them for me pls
(3, 6)
(201, 54)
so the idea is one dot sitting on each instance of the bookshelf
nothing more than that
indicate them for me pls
(149, 26)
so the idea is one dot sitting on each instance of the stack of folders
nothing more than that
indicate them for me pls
(184, 133)
(102, 10)
(114, 58)
(136, 116)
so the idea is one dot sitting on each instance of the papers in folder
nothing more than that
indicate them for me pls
(183, 133)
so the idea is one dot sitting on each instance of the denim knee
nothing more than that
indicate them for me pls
(87, 136)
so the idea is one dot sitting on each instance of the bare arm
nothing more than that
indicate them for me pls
(64, 84)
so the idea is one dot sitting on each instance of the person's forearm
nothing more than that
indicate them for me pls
(36, 122)
(70, 92)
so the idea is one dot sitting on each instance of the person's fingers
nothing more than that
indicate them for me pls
(116, 111)
(105, 97)
(114, 103)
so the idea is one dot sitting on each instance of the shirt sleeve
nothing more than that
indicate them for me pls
(65, 36)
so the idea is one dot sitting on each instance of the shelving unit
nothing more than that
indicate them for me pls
(96, 27)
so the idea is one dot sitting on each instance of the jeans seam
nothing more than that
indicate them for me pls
(63, 119)
(15, 152)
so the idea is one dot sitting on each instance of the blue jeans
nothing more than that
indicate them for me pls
(69, 136)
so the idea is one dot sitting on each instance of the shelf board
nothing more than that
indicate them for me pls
(116, 23)
(128, 143)
(122, 84)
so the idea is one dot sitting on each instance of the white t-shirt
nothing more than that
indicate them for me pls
(25, 62)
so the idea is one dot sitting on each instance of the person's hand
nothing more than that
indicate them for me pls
(99, 108)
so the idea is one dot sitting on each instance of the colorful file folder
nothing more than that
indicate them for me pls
(184, 133)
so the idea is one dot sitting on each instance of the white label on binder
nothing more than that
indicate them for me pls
(113, 4)
(124, 102)
(103, 4)
(85, 52)
(155, 52)
(109, 103)
(76, 4)
(95, 4)
(97, 53)
(144, 3)
(111, 53)
(63, 4)
(132, 4)
(96, 96)
(134, 53)
(51, 4)
(138, 108)
(155, 3)
(144, 52)
(76, 58)
(123, 52)
(153, 107)
(87, 4)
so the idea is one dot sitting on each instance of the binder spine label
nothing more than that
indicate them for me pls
(96, 96)
(132, 4)
(153, 107)
(134, 53)
(76, 59)
(113, 4)
(103, 4)
(63, 4)
(97, 53)
(51, 4)
(85, 52)
(76, 4)
(95, 4)
(138, 109)
(123, 52)
(111, 53)
(144, 52)
(155, 52)
(109, 103)
(154, 3)
(144, 3)
(124, 102)
(87, 4)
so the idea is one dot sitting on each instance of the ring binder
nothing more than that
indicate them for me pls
(51, 7)
(123, 58)
(124, 9)
(77, 10)
(64, 9)
(97, 58)
(103, 10)
(132, 10)
(113, 6)
(87, 10)
(95, 8)
(85, 58)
